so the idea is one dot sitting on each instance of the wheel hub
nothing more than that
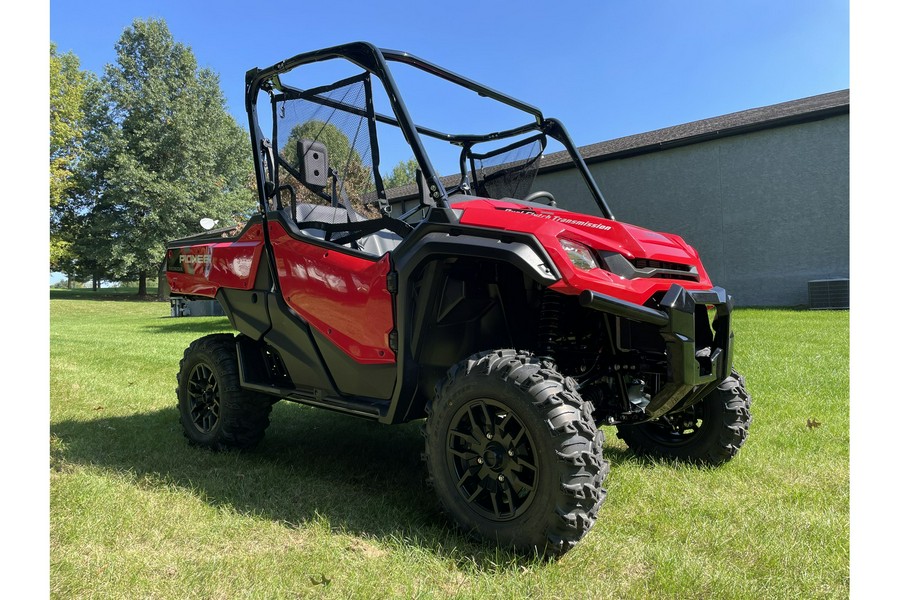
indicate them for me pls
(494, 457)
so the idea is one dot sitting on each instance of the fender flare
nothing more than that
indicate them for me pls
(522, 251)
(525, 254)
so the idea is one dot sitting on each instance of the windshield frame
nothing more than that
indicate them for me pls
(375, 61)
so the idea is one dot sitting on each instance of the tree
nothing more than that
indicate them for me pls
(163, 152)
(67, 89)
(402, 174)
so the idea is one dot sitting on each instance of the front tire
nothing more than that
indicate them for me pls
(215, 411)
(710, 432)
(513, 453)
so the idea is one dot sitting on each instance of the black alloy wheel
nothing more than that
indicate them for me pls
(203, 398)
(492, 454)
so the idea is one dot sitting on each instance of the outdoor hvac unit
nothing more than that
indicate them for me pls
(829, 293)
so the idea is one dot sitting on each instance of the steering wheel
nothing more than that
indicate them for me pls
(533, 196)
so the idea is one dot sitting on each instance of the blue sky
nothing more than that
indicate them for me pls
(606, 69)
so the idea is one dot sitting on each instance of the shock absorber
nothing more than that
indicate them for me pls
(548, 324)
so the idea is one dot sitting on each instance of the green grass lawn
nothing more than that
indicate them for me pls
(335, 507)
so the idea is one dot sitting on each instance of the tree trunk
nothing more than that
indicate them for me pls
(95, 283)
(68, 281)
(142, 284)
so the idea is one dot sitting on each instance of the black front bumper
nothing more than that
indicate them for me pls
(698, 353)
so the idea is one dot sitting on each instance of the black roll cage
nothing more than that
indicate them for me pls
(374, 60)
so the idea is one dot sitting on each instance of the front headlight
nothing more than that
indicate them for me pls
(580, 255)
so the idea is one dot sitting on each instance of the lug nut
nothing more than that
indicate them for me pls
(510, 452)
(480, 461)
(489, 436)
(501, 478)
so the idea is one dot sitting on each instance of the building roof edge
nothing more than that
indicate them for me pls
(782, 114)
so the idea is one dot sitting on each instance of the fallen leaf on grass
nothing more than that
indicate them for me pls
(812, 423)
(324, 581)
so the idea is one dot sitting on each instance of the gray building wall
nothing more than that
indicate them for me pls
(767, 210)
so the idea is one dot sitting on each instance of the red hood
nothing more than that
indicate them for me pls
(599, 233)
(548, 225)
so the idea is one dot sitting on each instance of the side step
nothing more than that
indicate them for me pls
(254, 377)
(367, 408)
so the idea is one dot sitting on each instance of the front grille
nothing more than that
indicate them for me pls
(660, 269)
(646, 268)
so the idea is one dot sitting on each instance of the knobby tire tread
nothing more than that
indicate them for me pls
(244, 416)
(578, 466)
(712, 446)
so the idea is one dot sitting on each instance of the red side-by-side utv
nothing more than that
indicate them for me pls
(513, 327)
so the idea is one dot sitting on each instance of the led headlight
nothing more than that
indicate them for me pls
(580, 255)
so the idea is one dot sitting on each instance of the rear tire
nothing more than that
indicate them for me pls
(215, 411)
(513, 453)
(710, 432)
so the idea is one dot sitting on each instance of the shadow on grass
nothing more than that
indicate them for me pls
(199, 325)
(363, 478)
(618, 456)
(105, 294)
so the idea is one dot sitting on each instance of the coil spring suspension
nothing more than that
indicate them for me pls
(548, 324)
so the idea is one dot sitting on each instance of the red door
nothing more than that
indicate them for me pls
(342, 295)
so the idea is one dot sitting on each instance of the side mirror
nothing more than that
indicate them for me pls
(424, 193)
(313, 157)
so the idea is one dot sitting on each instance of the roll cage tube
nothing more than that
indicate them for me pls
(374, 60)
(365, 56)
(556, 130)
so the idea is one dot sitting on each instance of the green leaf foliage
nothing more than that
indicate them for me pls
(68, 96)
(67, 88)
(402, 174)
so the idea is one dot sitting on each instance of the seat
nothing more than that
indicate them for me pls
(379, 242)
(376, 244)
